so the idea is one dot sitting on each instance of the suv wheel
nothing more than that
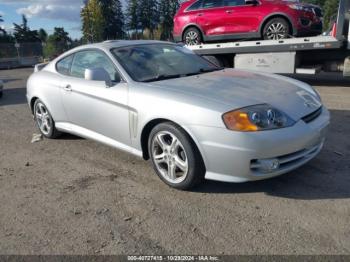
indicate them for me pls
(192, 36)
(175, 158)
(276, 29)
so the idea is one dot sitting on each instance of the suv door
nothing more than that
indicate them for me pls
(94, 109)
(241, 18)
(210, 17)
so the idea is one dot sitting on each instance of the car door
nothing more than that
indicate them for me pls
(210, 17)
(241, 18)
(92, 107)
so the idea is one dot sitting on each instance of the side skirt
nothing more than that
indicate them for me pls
(88, 134)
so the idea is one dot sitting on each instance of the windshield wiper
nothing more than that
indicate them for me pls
(162, 77)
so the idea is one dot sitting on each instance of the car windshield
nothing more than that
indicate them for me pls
(155, 62)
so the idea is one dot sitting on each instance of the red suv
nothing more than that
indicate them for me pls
(199, 21)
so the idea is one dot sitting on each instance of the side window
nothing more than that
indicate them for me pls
(212, 3)
(195, 6)
(63, 66)
(92, 59)
(234, 2)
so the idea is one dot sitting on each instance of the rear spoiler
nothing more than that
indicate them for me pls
(40, 67)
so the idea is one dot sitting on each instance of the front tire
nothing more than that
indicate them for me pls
(44, 120)
(192, 36)
(276, 29)
(175, 157)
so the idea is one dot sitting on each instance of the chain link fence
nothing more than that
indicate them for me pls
(14, 55)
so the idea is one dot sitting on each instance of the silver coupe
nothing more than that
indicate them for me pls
(194, 120)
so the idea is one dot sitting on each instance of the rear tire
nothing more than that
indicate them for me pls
(175, 157)
(276, 29)
(192, 36)
(0, 94)
(44, 120)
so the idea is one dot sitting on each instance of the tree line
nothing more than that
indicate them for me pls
(147, 19)
(49, 45)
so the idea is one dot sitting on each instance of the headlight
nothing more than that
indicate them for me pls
(256, 118)
(300, 7)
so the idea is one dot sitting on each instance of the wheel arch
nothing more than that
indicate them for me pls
(32, 102)
(195, 26)
(146, 131)
(278, 15)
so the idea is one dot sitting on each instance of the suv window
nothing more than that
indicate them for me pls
(92, 59)
(234, 2)
(63, 66)
(212, 3)
(195, 6)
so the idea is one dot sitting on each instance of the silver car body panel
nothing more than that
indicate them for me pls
(116, 116)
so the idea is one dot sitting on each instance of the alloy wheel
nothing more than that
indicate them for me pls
(43, 119)
(192, 38)
(170, 157)
(276, 31)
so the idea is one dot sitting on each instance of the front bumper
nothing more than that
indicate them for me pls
(232, 156)
(307, 27)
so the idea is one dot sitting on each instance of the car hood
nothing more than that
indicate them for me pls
(234, 89)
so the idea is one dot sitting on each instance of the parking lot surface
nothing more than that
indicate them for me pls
(75, 196)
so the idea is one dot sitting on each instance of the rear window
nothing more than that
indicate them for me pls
(195, 6)
(212, 3)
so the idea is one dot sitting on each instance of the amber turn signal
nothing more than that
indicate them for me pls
(239, 121)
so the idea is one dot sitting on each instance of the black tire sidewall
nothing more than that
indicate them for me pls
(274, 20)
(195, 164)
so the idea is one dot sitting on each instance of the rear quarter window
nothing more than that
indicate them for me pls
(63, 66)
(195, 6)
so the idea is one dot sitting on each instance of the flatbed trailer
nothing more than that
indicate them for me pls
(304, 55)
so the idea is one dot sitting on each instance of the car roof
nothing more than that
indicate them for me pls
(109, 44)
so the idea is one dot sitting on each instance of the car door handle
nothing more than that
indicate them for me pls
(229, 11)
(68, 88)
(200, 14)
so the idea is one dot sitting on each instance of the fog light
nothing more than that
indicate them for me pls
(269, 165)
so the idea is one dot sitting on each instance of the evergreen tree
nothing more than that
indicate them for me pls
(1, 29)
(42, 34)
(167, 11)
(330, 9)
(22, 32)
(93, 21)
(114, 19)
(133, 13)
(57, 43)
(149, 16)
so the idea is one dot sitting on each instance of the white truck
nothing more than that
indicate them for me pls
(307, 55)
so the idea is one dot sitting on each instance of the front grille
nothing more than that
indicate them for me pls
(311, 117)
(318, 11)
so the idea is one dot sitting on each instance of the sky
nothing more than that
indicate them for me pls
(45, 14)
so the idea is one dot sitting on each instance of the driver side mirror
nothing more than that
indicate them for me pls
(98, 74)
(252, 2)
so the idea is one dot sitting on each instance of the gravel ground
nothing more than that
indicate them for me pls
(75, 196)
